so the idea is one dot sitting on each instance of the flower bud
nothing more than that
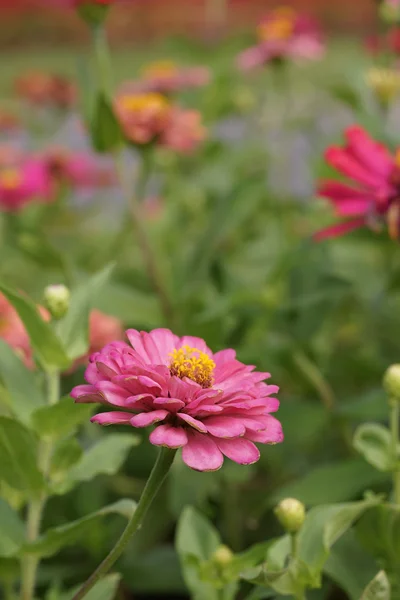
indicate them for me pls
(222, 555)
(391, 381)
(93, 12)
(290, 514)
(385, 83)
(57, 299)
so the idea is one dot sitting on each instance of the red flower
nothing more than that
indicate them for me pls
(372, 198)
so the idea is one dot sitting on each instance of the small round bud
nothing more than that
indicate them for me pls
(385, 84)
(290, 514)
(222, 555)
(391, 381)
(57, 299)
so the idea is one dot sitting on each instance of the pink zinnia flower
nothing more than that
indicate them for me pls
(210, 405)
(284, 35)
(8, 121)
(184, 130)
(46, 89)
(166, 77)
(78, 169)
(24, 182)
(143, 116)
(372, 196)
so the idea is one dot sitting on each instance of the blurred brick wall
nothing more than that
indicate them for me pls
(146, 19)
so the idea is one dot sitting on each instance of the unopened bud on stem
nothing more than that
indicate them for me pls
(222, 555)
(391, 381)
(57, 299)
(291, 514)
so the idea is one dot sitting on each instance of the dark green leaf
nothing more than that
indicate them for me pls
(12, 531)
(105, 129)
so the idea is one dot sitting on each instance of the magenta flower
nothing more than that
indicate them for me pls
(283, 35)
(24, 182)
(210, 405)
(79, 169)
(373, 196)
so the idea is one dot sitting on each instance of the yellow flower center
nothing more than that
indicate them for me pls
(137, 103)
(194, 364)
(279, 27)
(10, 178)
(385, 83)
(161, 68)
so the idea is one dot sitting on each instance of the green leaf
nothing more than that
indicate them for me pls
(66, 454)
(373, 442)
(323, 526)
(105, 589)
(61, 419)
(25, 395)
(18, 457)
(73, 329)
(44, 341)
(105, 130)
(196, 540)
(12, 531)
(106, 457)
(378, 588)
(379, 533)
(66, 535)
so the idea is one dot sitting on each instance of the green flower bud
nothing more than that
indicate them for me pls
(57, 299)
(222, 555)
(94, 13)
(291, 514)
(391, 381)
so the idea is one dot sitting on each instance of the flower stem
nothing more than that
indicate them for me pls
(30, 563)
(102, 55)
(157, 476)
(315, 377)
(300, 594)
(394, 428)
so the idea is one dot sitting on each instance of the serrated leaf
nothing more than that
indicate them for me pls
(378, 588)
(73, 329)
(104, 458)
(12, 531)
(105, 589)
(66, 535)
(44, 341)
(18, 457)
(24, 393)
(105, 130)
(61, 419)
(373, 442)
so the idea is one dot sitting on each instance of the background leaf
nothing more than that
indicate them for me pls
(378, 588)
(61, 419)
(12, 531)
(373, 441)
(105, 589)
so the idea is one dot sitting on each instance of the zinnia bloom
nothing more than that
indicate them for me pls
(8, 122)
(210, 405)
(166, 77)
(283, 34)
(78, 169)
(143, 116)
(184, 130)
(46, 89)
(372, 196)
(24, 182)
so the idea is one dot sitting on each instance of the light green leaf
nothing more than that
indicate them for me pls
(24, 393)
(105, 589)
(73, 329)
(12, 531)
(18, 457)
(61, 419)
(373, 442)
(323, 526)
(196, 540)
(104, 458)
(66, 454)
(378, 588)
(379, 533)
(44, 341)
(66, 535)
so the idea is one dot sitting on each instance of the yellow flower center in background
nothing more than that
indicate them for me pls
(10, 178)
(385, 83)
(279, 27)
(137, 103)
(161, 68)
(194, 364)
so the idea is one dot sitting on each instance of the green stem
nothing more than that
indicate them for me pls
(102, 55)
(36, 507)
(157, 476)
(394, 428)
(293, 544)
(314, 375)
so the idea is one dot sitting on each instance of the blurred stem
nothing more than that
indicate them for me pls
(30, 563)
(157, 477)
(315, 377)
(394, 428)
(102, 55)
(232, 516)
(300, 595)
(136, 214)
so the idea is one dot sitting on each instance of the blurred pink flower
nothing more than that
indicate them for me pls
(23, 182)
(103, 329)
(143, 116)
(166, 77)
(373, 196)
(184, 130)
(13, 332)
(78, 169)
(46, 89)
(8, 121)
(284, 35)
(209, 404)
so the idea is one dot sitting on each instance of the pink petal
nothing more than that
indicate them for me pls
(112, 418)
(169, 436)
(195, 342)
(148, 418)
(172, 404)
(372, 154)
(339, 229)
(224, 427)
(201, 452)
(86, 393)
(239, 450)
(348, 201)
(345, 163)
(112, 393)
(192, 422)
(272, 434)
